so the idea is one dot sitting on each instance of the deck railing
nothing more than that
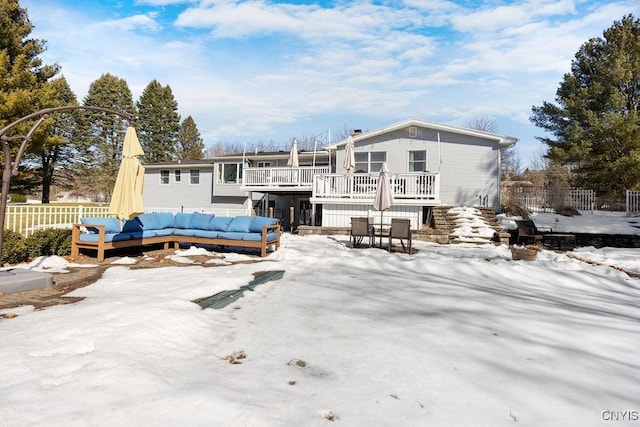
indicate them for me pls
(363, 186)
(281, 177)
(25, 219)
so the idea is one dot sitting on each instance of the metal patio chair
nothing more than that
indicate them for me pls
(400, 229)
(360, 228)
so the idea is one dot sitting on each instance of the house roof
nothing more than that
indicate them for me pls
(500, 139)
(181, 163)
(269, 155)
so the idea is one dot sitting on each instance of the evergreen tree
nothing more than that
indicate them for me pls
(191, 144)
(158, 123)
(51, 147)
(22, 72)
(100, 135)
(595, 121)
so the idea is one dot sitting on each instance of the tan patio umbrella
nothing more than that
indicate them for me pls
(384, 193)
(293, 155)
(126, 201)
(349, 155)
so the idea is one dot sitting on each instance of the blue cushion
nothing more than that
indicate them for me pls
(111, 225)
(186, 232)
(165, 231)
(145, 234)
(230, 235)
(111, 237)
(261, 221)
(132, 226)
(165, 219)
(208, 234)
(220, 223)
(200, 221)
(240, 224)
(255, 237)
(181, 220)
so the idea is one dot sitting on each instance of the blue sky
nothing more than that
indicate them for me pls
(250, 71)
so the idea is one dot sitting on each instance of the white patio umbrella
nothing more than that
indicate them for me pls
(126, 201)
(293, 155)
(384, 193)
(349, 155)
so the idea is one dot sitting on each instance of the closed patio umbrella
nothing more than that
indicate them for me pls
(126, 201)
(293, 155)
(349, 155)
(384, 194)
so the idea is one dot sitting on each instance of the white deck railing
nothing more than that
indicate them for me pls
(281, 177)
(363, 186)
(25, 219)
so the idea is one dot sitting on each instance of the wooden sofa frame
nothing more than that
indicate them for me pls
(101, 246)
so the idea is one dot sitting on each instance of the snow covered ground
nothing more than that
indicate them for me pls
(454, 335)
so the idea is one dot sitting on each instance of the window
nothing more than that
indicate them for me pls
(264, 164)
(413, 131)
(164, 176)
(417, 161)
(194, 176)
(369, 162)
(229, 173)
(176, 175)
(377, 159)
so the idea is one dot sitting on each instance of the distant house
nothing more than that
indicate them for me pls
(430, 164)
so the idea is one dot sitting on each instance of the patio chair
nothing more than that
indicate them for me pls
(527, 232)
(360, 228)
(400, 229)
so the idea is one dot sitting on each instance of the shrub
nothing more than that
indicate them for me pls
(14, 248)
(18, 198)
(52, 241)
(567, 211)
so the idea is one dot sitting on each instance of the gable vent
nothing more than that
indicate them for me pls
(413, 131)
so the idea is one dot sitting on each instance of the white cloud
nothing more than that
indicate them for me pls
(267, 70)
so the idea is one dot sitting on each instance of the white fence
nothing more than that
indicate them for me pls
(549, 200)
(633, 202)
(25, 219)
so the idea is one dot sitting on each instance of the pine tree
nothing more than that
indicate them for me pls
(22, 72)
(100, 135)
(191, 144)
(595, 121)
(51, 147)
(158, 123)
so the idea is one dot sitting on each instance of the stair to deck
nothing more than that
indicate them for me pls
(445, 224)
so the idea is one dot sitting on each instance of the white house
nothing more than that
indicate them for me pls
(430, 164)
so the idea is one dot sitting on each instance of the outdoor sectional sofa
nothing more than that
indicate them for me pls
(103, 233)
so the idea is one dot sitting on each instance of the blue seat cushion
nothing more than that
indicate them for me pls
(220, 223)
(110, 237)
(207, 234)
(240, 224)
(111, 225)
(145, 234)
(165, 231)
(200, 221)
(230, 235)
(261, 221)
(182, 220)
(186, 232)
(257, 237)
(165, 219)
